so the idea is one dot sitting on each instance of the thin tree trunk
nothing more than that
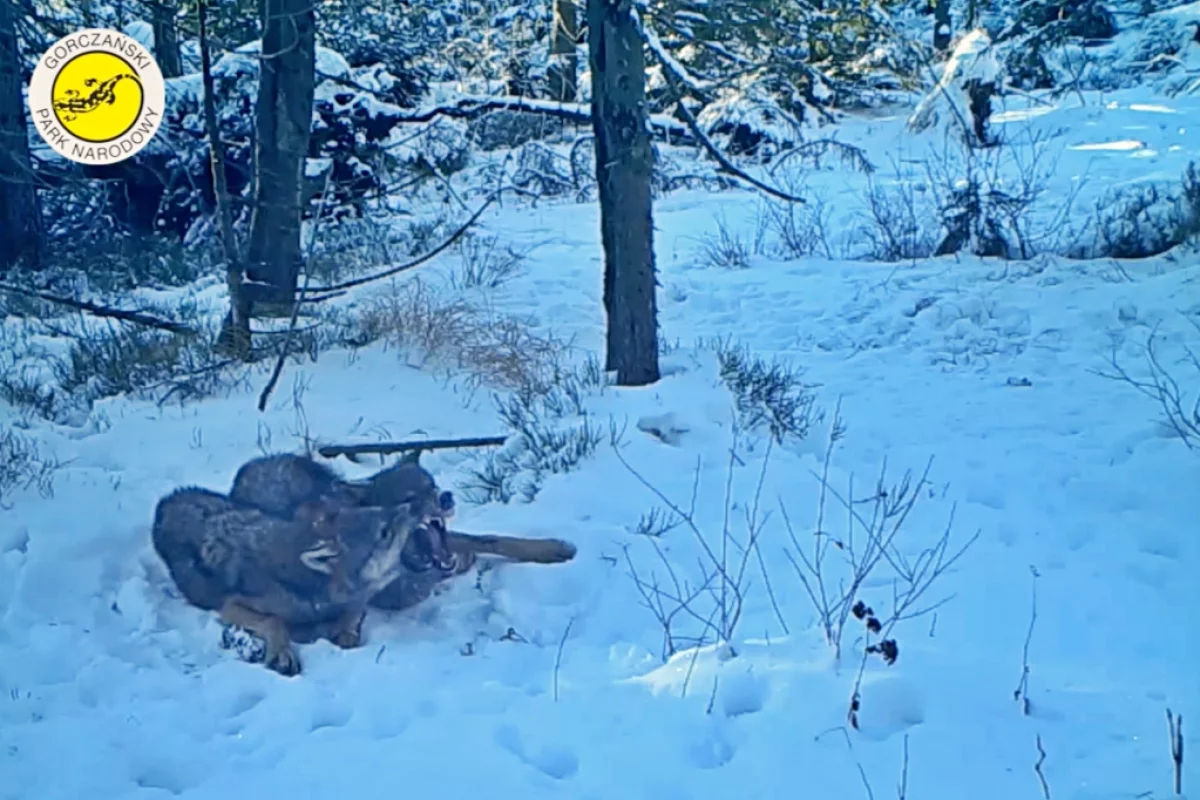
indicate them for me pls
(563, 74)
(283, 122)
(166, 37)
(941, 25)
(624, 161)
(20, 210)
(235, 331)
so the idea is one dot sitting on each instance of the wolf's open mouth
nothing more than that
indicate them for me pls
(427, 547)
(441, 557)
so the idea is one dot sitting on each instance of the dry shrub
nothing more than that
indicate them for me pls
(500, 350)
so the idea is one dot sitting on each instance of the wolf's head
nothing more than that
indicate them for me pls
(362, 547)
(409, 483)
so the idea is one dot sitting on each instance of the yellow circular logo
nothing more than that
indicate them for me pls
(97, 96)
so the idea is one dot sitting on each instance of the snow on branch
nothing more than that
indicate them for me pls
(676, 75)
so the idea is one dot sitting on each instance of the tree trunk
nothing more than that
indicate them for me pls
(234, 337)
(624, 162)
(941, 25)
(166, 37)
(20, 211)
(563, 73)
(283, 122)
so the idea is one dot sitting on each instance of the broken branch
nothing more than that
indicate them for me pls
(107, 312)
(351, 451)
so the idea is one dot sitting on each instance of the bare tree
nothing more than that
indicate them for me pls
(166, 37)
(283, 122)
(624, 161)
(563, 73)
(20, 212)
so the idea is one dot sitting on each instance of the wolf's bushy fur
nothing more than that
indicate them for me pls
(283, 482)
(284, 578)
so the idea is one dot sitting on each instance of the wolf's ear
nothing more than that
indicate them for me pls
(411, 457)
(320, 558)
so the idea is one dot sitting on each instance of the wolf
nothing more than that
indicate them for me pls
(283, 482)
(285, 579)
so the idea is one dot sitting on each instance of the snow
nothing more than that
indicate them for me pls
(111, 687)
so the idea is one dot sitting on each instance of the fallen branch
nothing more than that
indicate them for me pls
(321, 290)
(351, 451)
(106, 312)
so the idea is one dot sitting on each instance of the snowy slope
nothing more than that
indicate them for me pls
(110, 687)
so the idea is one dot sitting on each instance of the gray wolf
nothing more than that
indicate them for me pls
(283, 482)
(286, 579)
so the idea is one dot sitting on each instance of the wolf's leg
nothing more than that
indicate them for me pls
(346, 631)
(517, 548)
(279, 656)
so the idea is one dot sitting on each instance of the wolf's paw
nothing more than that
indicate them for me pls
(559, 551)
(348, 635)
(284, 660)
(248, 647)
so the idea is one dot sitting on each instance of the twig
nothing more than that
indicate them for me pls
(386, 448)
(1037, 768)
(411, 264)
(902, 789)
(1175, 727)
(106, 312)
(558, 656)
(1022, 691)
(1164, 389)
(862, 773)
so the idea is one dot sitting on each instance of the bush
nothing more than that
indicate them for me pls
(767, 394)
(551, 432)
(22, 465)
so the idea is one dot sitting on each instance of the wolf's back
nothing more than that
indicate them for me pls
(281, 482)
(189, 536)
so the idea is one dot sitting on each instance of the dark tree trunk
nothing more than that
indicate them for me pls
(941, 25)
(563, 73)
(166, 38)
(283, 122)
(234, 338)
(624, 162)
(20, 212)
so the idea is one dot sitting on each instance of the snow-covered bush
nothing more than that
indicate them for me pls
(1146, 220)
(550, 432)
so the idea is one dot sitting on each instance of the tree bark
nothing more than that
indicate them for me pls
(283, 122)
(941, 25)
(166, 37)
(20, 210)
(563, 73)
(624, 161)
(234, 337)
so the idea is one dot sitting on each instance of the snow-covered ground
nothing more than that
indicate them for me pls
(110, 687)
